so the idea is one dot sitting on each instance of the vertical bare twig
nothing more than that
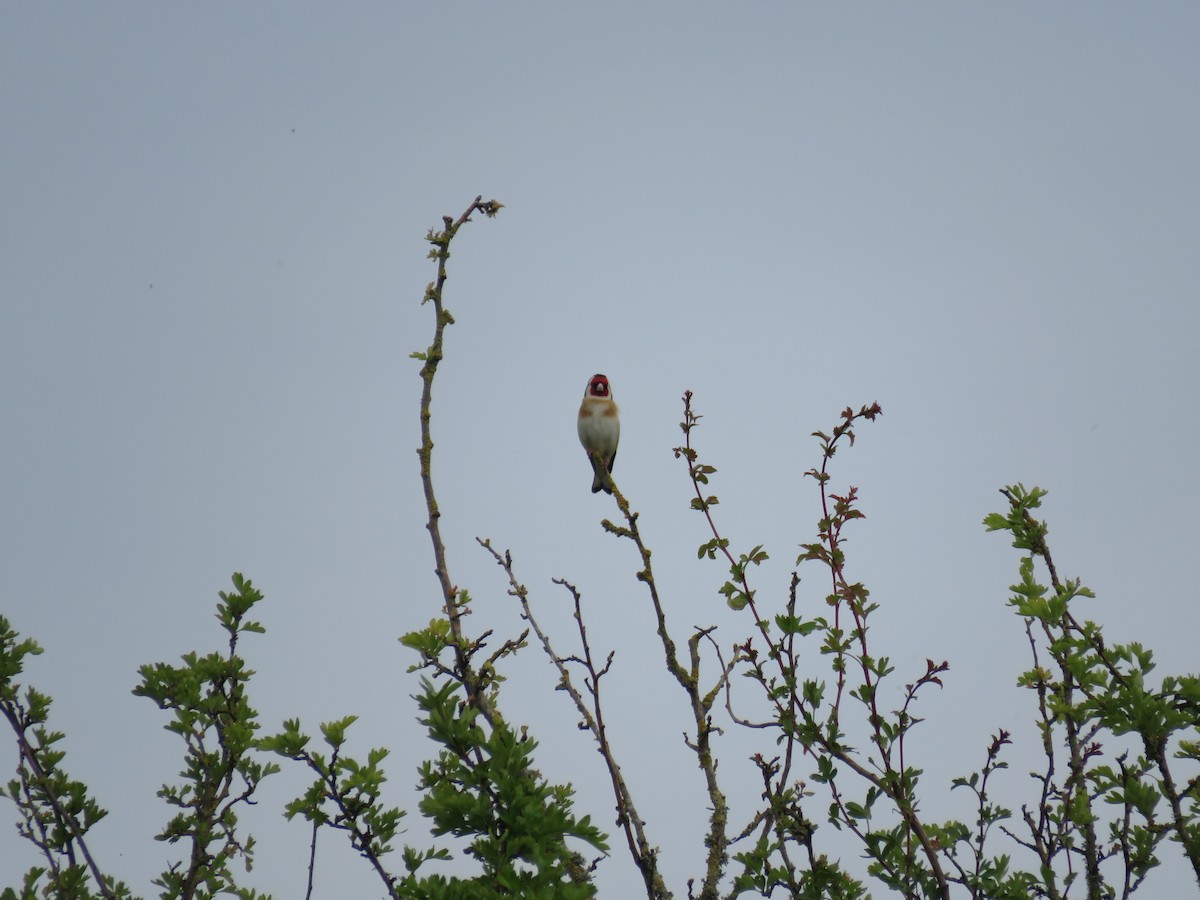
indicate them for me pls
(474, 684)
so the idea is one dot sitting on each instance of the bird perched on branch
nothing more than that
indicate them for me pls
(600, 430)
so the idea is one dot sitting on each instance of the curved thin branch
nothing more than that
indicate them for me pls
(471, 679)
(717, 840)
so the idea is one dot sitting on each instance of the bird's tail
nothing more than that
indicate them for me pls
(600, 481)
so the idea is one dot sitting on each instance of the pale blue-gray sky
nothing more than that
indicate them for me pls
(986, 218)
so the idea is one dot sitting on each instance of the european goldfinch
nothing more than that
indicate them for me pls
(599, 430)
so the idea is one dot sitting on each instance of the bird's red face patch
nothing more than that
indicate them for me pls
(599, 386)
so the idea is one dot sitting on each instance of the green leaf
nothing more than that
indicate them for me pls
(335, 732)
(995, 522)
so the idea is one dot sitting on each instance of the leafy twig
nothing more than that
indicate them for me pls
(56, 810)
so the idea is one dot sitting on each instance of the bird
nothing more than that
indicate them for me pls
(599, 430)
